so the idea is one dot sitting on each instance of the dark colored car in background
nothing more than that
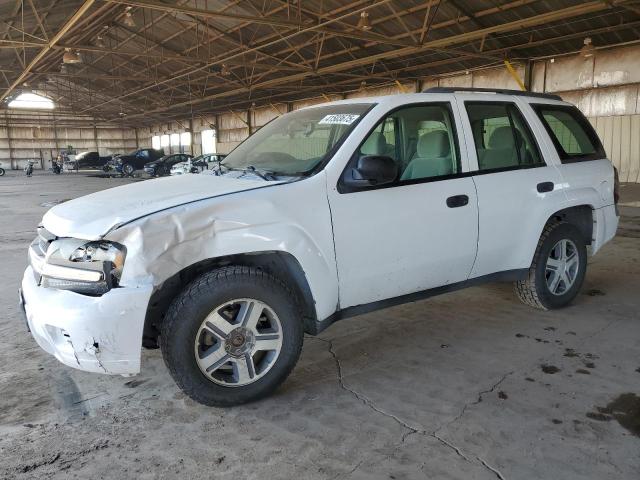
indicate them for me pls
(163, 165)
(87, 160)
(136, 160)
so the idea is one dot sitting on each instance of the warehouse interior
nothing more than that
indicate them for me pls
(462, 388)
(152, 69)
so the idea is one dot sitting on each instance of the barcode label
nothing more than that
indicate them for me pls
(339, 119)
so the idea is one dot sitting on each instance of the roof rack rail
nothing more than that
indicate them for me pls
(505, 91)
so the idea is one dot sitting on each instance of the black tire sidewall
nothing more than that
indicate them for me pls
(127, 169)
(562, 231)
(178, 337)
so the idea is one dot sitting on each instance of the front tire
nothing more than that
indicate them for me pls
(232, 336)
(558, 269)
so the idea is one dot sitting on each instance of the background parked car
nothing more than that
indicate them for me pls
(86, 160)
(163, 165)
(198, 164)
(136, 160)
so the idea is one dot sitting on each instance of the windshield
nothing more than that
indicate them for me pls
(297, 142)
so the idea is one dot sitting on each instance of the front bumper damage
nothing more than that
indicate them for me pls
(96, 334)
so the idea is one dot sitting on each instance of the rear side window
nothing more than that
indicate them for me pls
(502, 138)
(571, 133)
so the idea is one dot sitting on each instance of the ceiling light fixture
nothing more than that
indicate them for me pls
(71, 56)
(128, 18)
(587, 49)
(363, 22)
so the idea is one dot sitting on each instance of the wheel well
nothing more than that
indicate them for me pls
(281, 265)
(581, 216)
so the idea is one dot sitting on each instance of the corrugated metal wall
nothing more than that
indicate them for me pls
(18, 144)
(620, 136)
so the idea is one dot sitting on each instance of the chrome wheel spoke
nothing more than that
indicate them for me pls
(268, 342)
(243, 369)
(562, 250)
(554, 282)
(249, 314)
(572, 261)
(213, 359)
(553, 264)
(217, 325)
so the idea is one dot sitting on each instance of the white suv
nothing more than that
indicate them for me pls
(324, 213)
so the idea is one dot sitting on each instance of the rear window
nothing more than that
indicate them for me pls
(572, 134)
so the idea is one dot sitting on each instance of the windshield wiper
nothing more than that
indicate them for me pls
(264, 174)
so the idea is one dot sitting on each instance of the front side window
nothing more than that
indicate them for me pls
(571, 133)
(501, 136)
(420, 139)
(298, 142)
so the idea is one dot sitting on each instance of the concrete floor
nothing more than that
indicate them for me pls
(460, 386)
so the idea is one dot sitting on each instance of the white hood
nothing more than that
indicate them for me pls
(93, 216)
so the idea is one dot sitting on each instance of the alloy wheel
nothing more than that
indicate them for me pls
(238, 342)
(562, 267)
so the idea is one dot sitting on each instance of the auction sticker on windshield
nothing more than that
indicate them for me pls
(339, 119)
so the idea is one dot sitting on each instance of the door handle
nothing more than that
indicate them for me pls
(545, 187)
(457, 201)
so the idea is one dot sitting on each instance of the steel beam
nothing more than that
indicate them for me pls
(55, 39)
(585, 8)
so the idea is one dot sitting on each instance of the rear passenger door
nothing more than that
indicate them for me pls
(517, 190)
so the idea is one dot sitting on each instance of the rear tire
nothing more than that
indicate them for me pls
(558, 269)
(232, 336)
(127, 169)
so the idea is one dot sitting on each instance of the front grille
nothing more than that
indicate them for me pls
(43, 240)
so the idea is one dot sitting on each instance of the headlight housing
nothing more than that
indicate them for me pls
(91, 268)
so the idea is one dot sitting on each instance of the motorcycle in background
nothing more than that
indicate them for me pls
(28, 168)
(56, 166)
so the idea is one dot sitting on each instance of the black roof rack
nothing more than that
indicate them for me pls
(505, 91)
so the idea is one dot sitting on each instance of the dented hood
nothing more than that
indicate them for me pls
(93, 216)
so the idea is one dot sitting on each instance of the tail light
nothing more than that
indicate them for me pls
(616, 186)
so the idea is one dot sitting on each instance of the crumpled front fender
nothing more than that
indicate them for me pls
(263, 220)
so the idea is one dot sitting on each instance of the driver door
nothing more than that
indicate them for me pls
(418, 232)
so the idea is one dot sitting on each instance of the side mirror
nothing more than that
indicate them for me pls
(372, 170)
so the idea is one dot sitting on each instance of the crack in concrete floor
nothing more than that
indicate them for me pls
(411, 429)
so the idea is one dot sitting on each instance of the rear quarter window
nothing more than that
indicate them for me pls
(573, 136)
